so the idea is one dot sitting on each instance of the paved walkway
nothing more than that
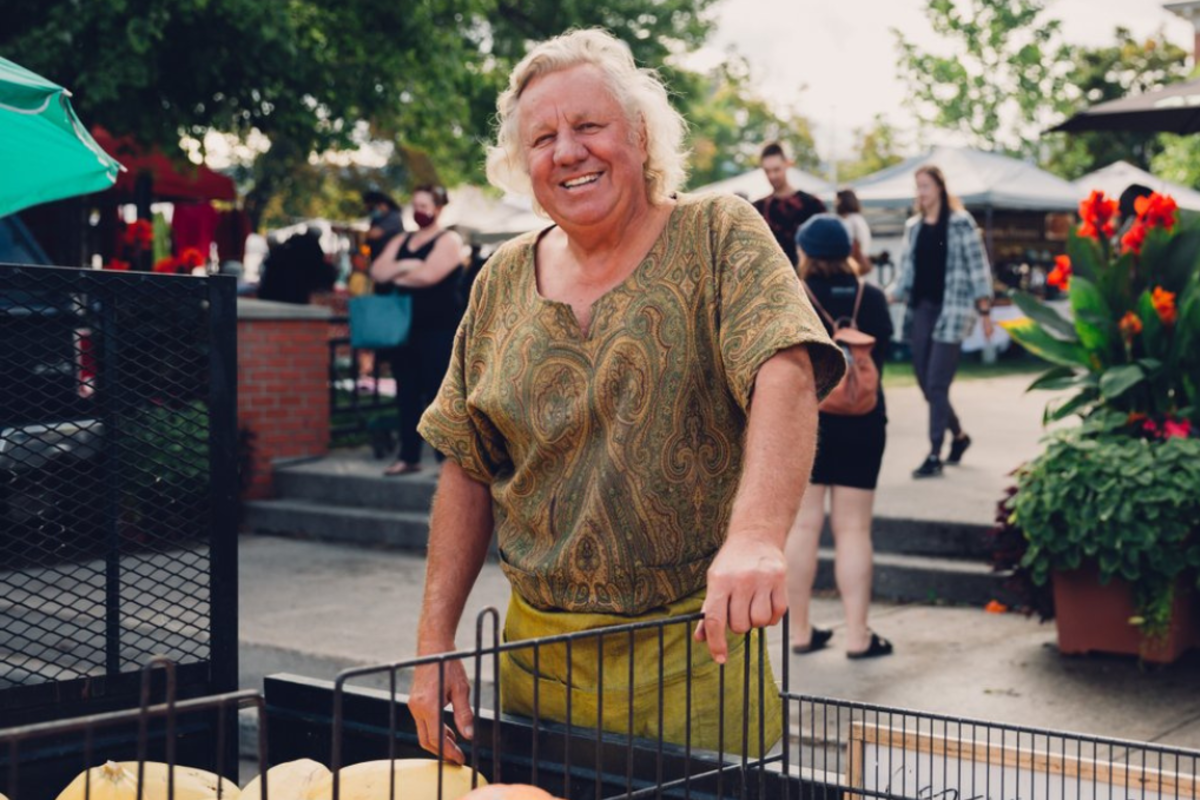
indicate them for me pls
(314, 608)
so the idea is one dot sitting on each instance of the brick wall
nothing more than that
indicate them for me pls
(283, 394)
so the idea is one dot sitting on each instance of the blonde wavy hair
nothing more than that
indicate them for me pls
(639, 92)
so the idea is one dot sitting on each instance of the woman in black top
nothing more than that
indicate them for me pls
(849, 453)
(425, 265)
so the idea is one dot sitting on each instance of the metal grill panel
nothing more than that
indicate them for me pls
(117, 483)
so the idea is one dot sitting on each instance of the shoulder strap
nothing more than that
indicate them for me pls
(857, 302)
(812, 298)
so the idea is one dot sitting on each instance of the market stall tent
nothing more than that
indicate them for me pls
(753, 184)
(171, 181)
(1115, 178)
(979, 179)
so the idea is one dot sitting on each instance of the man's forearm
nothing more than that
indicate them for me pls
(459, 532)
(780, 442)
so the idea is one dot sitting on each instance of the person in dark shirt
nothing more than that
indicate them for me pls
(786, 208)
(425, 265)
(849, 454)
(386, 222)
(296, 269)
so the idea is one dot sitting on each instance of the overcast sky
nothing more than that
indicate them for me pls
(793, 44)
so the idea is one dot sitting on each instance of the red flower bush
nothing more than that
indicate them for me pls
(1130, 325)
(117, 265)
(1098, 214)
(139, 234)
(191, 258)
(166, 266)
(1164, 304)
(1156, 211)
(1060, 276)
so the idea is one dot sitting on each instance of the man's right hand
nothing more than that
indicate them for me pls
(426, 705)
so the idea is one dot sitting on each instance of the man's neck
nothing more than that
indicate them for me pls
(785, 191)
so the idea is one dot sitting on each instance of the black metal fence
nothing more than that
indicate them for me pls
(362, 398)
(847, 750)
(118, 487)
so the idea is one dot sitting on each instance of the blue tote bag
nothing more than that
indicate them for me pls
(379, 322)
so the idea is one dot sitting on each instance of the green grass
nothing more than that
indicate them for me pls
(900, 373)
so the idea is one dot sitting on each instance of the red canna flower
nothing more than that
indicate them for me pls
(139, 234)
(1098, 214)
(1135, 417)
(1164, 304)
(1134, 238)
(1156, 211)
(191, 258)
(166, 266)
(1177, 427)
(117, 265)
(1060, 276)
(1130, 325)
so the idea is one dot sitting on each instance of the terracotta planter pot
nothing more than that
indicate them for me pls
(1092, 617)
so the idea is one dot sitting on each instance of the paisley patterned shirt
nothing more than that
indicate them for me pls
(613, 458)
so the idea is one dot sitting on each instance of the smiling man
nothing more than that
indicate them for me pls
(631, 404)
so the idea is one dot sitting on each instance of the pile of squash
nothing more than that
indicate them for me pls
(415, 778)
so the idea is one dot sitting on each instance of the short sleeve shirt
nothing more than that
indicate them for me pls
(613, 457)
(785, 215)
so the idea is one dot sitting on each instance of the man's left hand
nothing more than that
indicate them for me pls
(747, 588)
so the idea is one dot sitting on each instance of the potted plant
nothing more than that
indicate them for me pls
(1115, 502)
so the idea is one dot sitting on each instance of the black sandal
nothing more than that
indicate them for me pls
(878, 647)
(817, 640)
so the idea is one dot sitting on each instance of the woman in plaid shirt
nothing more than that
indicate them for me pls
(946, 281)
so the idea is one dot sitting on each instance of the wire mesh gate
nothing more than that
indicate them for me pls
(118, 487)
(834, 750)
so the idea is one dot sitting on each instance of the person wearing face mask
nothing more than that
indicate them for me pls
(425, 265)
(386, 222)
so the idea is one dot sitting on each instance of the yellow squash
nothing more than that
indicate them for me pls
(118, 781)
(289, 781)
(416, 779)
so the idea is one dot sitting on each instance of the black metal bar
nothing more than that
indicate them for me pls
(108, 395)
(224, 488)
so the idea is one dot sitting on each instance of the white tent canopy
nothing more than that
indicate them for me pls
(977, 178)
(753, 184)
(1115, 178)
(489, 217)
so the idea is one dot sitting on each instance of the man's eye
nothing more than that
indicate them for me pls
(541, 140)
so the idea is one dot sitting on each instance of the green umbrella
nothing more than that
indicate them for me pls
(45, 152)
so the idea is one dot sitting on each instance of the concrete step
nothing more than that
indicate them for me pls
(360, 486)
(924, 579)
(332, 484)
(926, 537)
(405, 530)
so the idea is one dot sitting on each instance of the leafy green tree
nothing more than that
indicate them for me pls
(1099, 74)
(1178, 161)
(997, 85)
(308, 74)
(729, 124)
(877, 147)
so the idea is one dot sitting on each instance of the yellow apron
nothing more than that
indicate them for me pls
(518, 678)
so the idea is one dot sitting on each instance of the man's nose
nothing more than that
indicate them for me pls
(568, 149)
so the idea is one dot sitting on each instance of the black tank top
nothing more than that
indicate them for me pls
(435, 307)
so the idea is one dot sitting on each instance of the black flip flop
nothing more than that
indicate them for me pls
(878, 647)
(816, 641)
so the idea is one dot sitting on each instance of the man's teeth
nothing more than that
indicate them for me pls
(571, 184)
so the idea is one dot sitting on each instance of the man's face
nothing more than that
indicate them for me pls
(775, 168)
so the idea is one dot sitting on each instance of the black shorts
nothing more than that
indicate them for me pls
(849, 450)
